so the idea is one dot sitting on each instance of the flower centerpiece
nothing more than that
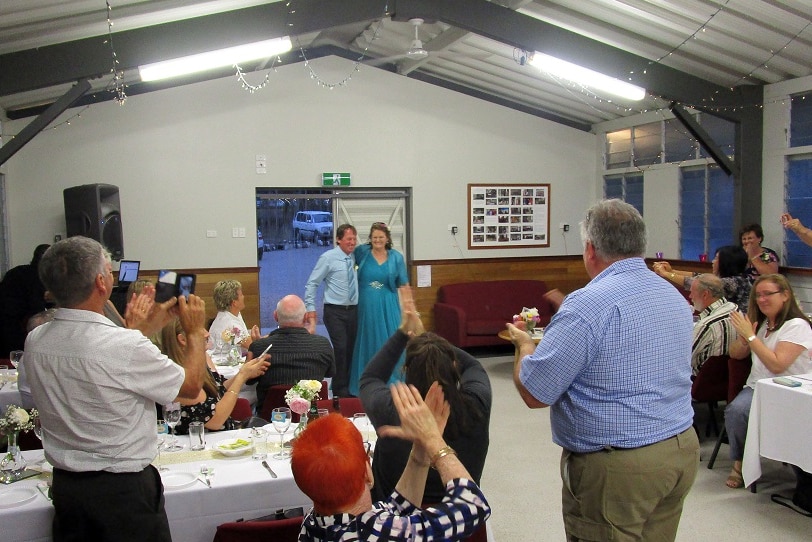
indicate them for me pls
(15, 420)
(299, 397)
(530, 317)
(231, 341)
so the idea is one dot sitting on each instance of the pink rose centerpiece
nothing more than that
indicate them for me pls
(298, 398)
(530, 317)
(231, 340)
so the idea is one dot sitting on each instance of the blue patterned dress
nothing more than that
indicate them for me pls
(378, 308)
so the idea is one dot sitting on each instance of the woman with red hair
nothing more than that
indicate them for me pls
(331, 449)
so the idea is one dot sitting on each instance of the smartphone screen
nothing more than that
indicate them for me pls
(186, 285)
(165, 288)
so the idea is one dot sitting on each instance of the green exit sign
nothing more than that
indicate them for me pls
(335, 179)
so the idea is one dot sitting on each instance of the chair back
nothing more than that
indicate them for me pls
(738, 370)
(711, 383)
(346, 406)
(278, 530)
(242, 410)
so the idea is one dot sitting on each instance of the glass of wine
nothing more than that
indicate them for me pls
(280, 418)
(16, 356)
(162, 432)
(172, 417)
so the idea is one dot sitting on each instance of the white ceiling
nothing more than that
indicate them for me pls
(700, 53)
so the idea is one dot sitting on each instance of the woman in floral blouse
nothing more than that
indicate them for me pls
(760, 260)
(216, 400)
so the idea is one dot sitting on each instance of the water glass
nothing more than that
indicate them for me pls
(323, 412)
(361, 422)
(197, 436)
(280, 418)
(259, 443)
(16, 356)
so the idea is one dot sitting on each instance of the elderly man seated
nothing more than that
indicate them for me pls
(713, 332)
(331, 450)
(297, 353)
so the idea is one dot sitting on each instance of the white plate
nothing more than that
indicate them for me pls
(17, 496)
(232, 451)
(177, 480)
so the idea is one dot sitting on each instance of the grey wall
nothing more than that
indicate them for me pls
(184, 161)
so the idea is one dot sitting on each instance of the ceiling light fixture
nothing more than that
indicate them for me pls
(593, 80)
(214, 59)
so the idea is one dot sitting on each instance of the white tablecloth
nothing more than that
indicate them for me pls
(241, 488)
(248, 392)
(780, 426)
(9, 395)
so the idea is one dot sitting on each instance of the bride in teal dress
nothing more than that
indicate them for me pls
(381, 271)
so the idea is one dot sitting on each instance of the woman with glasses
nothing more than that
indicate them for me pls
(778, 336)
(381, 272)
(728, 264)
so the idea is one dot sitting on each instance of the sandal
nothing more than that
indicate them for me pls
(735, 479)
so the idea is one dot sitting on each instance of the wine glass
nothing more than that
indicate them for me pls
(280, 418)
(361, 422)
(162, 433)
(172, 417)
(16, 356)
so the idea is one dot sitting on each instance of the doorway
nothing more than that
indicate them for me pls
(290, 235)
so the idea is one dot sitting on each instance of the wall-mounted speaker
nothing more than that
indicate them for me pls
(93, 210)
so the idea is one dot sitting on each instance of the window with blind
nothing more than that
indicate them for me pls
(706, 211)
(627, 187)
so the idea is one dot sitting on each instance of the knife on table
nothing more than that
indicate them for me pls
(268, 468)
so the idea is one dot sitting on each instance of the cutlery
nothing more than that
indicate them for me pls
(268, 467)
(45, 490)
(205, 482)
(206, 472)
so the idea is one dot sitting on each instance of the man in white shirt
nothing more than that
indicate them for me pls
(713, 332)
(96, 385)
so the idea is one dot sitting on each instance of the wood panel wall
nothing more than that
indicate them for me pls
(207, 278)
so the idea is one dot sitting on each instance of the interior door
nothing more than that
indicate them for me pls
(362, 208)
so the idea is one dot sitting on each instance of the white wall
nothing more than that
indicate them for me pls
(183, 160)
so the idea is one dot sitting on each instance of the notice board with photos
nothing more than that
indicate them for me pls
(508, 215)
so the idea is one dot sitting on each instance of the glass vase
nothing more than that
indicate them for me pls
(13, 463)
(234, 355)
(302, 425)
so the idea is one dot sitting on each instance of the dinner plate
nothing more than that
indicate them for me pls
(223, 447)
(17, 496)
(177, 480)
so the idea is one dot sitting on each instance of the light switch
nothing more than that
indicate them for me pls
(242, 232)
(235, 232)
(211, 233)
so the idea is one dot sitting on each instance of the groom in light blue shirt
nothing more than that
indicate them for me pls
(336, 269)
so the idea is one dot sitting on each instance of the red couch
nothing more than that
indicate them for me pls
(472, 313)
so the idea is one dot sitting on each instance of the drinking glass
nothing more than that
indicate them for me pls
(3, 376)
(16, 357)
(161, 434)
(280, 418)
(361, 422)
(172, 417)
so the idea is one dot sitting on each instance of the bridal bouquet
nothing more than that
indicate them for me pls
(301, 394)
(528, 316)
(231, 336)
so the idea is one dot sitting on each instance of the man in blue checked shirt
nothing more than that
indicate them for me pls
(331, 466)
(614, 366)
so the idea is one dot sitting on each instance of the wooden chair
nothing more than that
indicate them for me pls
(278, 530)
(710, 387)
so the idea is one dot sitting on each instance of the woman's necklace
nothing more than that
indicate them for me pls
(770, 327)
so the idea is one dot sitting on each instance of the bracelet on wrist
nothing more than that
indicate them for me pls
(441, 453)
(234, 392)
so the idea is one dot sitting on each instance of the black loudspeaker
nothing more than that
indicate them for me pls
(93, 210)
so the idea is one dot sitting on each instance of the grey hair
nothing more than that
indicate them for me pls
(226, 292)
(708, 282)
(615, 229)
(290, 311)
(69, 269)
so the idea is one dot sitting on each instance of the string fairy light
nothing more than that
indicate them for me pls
(117, 83)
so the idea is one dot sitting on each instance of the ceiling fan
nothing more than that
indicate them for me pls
(415, 51)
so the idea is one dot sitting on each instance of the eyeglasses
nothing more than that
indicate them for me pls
(765, 295)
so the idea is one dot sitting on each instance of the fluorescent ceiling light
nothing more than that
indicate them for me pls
(586, 77)
(214, 59)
